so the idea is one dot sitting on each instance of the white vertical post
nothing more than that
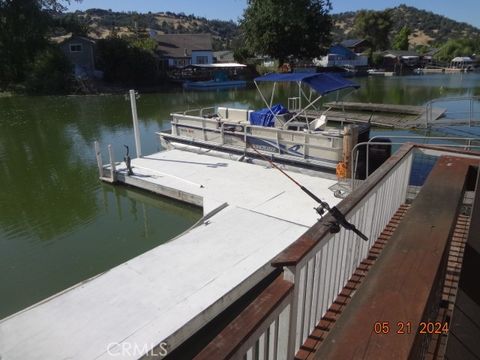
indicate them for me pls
(112, 163)
(292, 274)
(136, 130)
(99, 159)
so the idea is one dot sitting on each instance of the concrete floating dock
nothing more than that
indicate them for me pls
(168, 293)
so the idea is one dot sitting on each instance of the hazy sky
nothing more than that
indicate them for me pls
(460, 10)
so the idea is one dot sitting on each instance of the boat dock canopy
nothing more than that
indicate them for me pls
(323, 83)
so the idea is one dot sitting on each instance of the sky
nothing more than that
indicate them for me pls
(460, 10)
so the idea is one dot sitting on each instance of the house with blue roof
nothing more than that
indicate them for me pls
(341, 56)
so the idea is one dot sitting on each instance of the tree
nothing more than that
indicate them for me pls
(125, 63)
(400, 42)
(458, 47)
(50, 72)
(284, 28)
(374, 26)
(22, 34)
(24, 26)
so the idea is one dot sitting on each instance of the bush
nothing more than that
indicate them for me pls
(124, 63)
(50, 73)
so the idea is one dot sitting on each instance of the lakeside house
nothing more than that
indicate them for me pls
(341, 56)
(180, 50)
(80, 51)
(399, 60)
(358, 46)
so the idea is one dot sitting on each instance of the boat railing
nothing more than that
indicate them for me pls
(467, 112)
(199, 111)
(465, 143)
(275, 136)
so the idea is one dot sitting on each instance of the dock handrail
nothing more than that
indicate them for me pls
(319, 263)
(438, 141)
(265, 319)
(419, 247)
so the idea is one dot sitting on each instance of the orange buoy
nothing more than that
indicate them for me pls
(341, 170)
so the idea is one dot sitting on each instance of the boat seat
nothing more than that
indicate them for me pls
(319, 123)
(234, 115)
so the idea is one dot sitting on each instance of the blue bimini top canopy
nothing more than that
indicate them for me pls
(323, 83)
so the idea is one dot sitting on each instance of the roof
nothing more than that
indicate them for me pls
(346, 50)
(219, 65)
(182, 45)
(400, 53)
(431, 52)
(224, 56)
(462, 59)
(323, 83)
(66, 38)
(351, 42)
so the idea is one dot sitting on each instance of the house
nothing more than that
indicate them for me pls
(180, 50)
(225, 56)
(80, 51)
(427, 58)
(339, 55)
(399, 60)
(358, 46)
(462, 62)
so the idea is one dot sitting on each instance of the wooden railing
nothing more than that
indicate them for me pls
(261, 332)
(320, 263)
(395, 315)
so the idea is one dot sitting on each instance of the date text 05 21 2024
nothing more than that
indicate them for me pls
(407, 327)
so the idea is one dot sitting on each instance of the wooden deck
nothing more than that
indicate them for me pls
(385, 115)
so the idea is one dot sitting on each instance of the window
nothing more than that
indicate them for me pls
(202, 59)
(76, 48)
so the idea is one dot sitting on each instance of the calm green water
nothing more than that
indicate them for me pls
(59, 225)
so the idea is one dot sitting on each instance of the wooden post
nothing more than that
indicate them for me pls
(350, 139)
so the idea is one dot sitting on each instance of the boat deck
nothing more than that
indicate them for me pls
(170, 292)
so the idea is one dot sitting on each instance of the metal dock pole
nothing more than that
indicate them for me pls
(136, 130)
(98, 154)
(112, 163)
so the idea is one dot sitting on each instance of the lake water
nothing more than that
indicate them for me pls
(60, 225)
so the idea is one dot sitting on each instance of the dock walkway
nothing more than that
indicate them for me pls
(170, 292)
